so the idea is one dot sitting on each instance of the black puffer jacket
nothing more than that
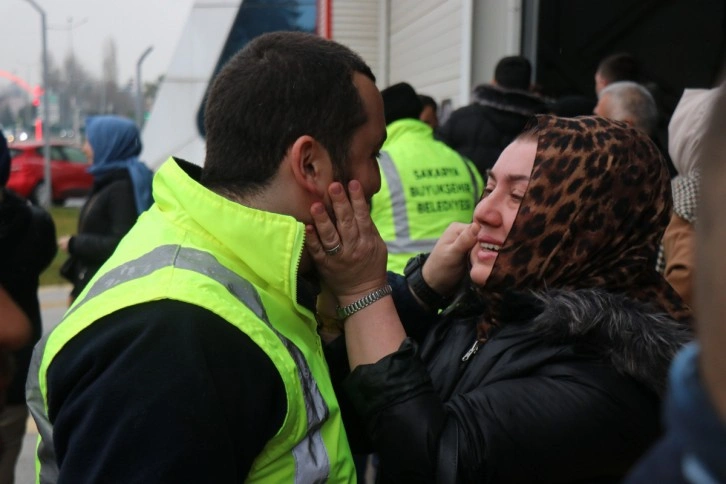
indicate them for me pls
(27, 247)
(481, 130)
(567, 389)
(108, 214)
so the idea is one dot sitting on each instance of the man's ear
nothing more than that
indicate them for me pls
(311, 165)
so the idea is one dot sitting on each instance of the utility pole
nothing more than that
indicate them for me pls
(47, 194)
(139, 89)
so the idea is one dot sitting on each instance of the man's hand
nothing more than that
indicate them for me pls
(349, 254)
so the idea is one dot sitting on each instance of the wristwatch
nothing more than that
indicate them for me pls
(414, 277)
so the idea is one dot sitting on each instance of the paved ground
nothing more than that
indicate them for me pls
(53, 301)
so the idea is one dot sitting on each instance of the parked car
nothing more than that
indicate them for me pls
(68, 167)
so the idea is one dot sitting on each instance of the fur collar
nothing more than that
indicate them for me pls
(639, 340)
(516, 101)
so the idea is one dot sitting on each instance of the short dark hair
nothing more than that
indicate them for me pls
(620, 67)
(281, 86)
(428, 101)
(400, 101)
(513, 72)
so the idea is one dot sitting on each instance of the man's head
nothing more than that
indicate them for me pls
(513, 72)
(400, 101)
(429, 111)
(628, 102)
(616, 67)
(285, 94)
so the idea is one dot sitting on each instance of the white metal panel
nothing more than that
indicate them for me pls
(425, 46)
(356, 24)
(171, 128)
(497, 31)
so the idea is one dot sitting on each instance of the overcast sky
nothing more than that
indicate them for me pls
(133, 24)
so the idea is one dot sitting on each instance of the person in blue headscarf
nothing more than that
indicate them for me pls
(121, 192)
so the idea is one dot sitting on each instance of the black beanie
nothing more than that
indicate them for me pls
(400, 101)
(4, 160)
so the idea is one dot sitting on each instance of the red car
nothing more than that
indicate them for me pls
(68, 167)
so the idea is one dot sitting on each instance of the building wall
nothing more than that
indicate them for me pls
(497, 33)
(356, 23)
(425, 47)
(443, 48)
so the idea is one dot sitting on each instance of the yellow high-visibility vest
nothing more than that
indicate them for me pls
(425, 186)
(241, 264)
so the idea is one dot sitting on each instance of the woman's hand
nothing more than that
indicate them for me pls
(447, 263)
(358, 266)
(63, 242)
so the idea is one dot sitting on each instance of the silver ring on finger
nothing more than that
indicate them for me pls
(334, 250)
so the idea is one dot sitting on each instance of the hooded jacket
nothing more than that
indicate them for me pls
(481, 130)
(511, 409)
(27, 247)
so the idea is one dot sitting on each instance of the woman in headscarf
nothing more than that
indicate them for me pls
(550, 363)
(121, 192)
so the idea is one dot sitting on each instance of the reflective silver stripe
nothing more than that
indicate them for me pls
(398, 199)
(36, 404)
(403, 244)
(407, 246)
(312, 463)
(474, 182)
(158, 258)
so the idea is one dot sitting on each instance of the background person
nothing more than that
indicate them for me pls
(686, 131)
(551, 370)
(121, 191)
(630, 103)
(27, 247)
(617, 67)
(194, 355)
(429, 111)
(692, 449)
(496, 115)
(425, 185)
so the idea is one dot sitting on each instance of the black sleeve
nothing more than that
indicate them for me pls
(162, 392)
(558, 426)
(116, 205)
(416, 322)
(415, 319)
(43, 237)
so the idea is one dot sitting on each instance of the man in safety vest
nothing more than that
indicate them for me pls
(425, 185)
(193, 354)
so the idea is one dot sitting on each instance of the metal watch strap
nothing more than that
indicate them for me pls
(363, 302)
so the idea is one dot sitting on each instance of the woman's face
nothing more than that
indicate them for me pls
(495, 213)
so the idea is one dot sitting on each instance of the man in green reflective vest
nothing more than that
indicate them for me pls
(193, 354)
(425, 185)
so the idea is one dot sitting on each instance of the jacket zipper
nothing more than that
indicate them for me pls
(471, 352)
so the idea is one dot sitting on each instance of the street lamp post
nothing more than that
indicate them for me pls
(47, 190)
(75, 111)
(139, 91)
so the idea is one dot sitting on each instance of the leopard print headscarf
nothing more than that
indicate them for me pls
(596, 207)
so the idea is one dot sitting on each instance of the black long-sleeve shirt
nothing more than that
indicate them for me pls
(162, 392)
